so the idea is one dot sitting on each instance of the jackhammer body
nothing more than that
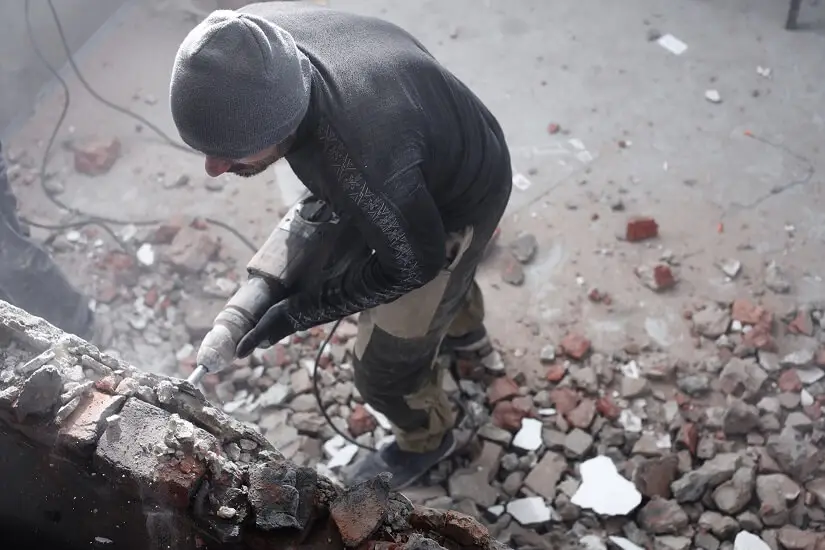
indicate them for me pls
(310, 244)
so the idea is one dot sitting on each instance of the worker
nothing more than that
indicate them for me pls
(370, 122)
(29, 277)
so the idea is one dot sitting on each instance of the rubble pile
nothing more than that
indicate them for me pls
(158, 440)
(633, 449)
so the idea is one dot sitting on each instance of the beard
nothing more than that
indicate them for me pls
(249, 169)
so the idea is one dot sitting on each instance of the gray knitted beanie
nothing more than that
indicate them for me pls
(239, 85)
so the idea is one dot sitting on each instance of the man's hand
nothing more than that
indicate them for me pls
(272, 328)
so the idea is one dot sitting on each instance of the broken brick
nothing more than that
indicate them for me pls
(508, 415)
(166, 232)
(95, 157)
(360, 510)
(575, 345)
(802, 323)
(760, 337)
(564, 399)
(127, 449)
(360, 421)
(191, 250)
(657, 277)
(502, 388)
(556, 372)
(820, 357)
(789, 381)
(747, 312)
(464, 530)
(641, 228)
(607, 408)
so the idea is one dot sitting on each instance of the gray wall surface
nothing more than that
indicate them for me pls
(22, 74)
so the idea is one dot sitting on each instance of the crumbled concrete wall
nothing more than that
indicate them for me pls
(97, 452)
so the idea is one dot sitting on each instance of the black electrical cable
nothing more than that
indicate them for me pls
(94, 219)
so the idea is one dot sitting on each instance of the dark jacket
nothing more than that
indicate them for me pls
(397, 144)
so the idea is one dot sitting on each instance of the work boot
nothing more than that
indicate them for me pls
(475, 347)
(406, 467)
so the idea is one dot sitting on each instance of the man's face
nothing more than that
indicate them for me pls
(248, 166)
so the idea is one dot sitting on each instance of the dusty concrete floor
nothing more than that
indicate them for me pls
(715, 191)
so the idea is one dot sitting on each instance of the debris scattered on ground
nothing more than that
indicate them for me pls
(672, 44)
(713, 96)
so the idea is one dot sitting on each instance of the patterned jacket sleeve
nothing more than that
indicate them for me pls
(401, 223)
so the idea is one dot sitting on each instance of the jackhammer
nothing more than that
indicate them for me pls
(310, 245)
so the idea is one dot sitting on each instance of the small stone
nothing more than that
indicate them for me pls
(508, 415)
(578, 443)
(657, 277)
(730, 267)
(789, 381)
(512, 271)
(524, 248)
(634, 387)
(742, 377)
(799, 421)
(496, 434)
(582, 416)
(575, 345)
(694, 384)
(794, 538)
(721, 526)
(40, 393)
(225, 512)
(706, 541)
(732, 496)
(810, 375)
(274, 396)
(545, 476)
(548, 354)
(663, 517)
(692, 486)
(529, 511)
(739, 418)
(96, 156)
(713, 96)
(748, 541)
(654, 476)
(776, 280)
(712, 321)
(774, 492)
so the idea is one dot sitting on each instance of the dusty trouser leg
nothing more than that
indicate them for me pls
(396, 371)
(397, 343)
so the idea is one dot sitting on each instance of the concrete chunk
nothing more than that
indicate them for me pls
(128, 448)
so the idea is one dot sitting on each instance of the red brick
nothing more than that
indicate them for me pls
(166, 232)
(465, 531)
(802, 323)
(820, 357)
(760, 337)
(97, 156)
(360, 421)
(86, 424)
(663, 276)
(575, 345)
(509, 414)
(502, 388)
(789, 381)
(553, 128)
(556, 372)
(641, 228)
(749, 313)
(175, 480)
(151, 297)
(607, 408)
(564, 399)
